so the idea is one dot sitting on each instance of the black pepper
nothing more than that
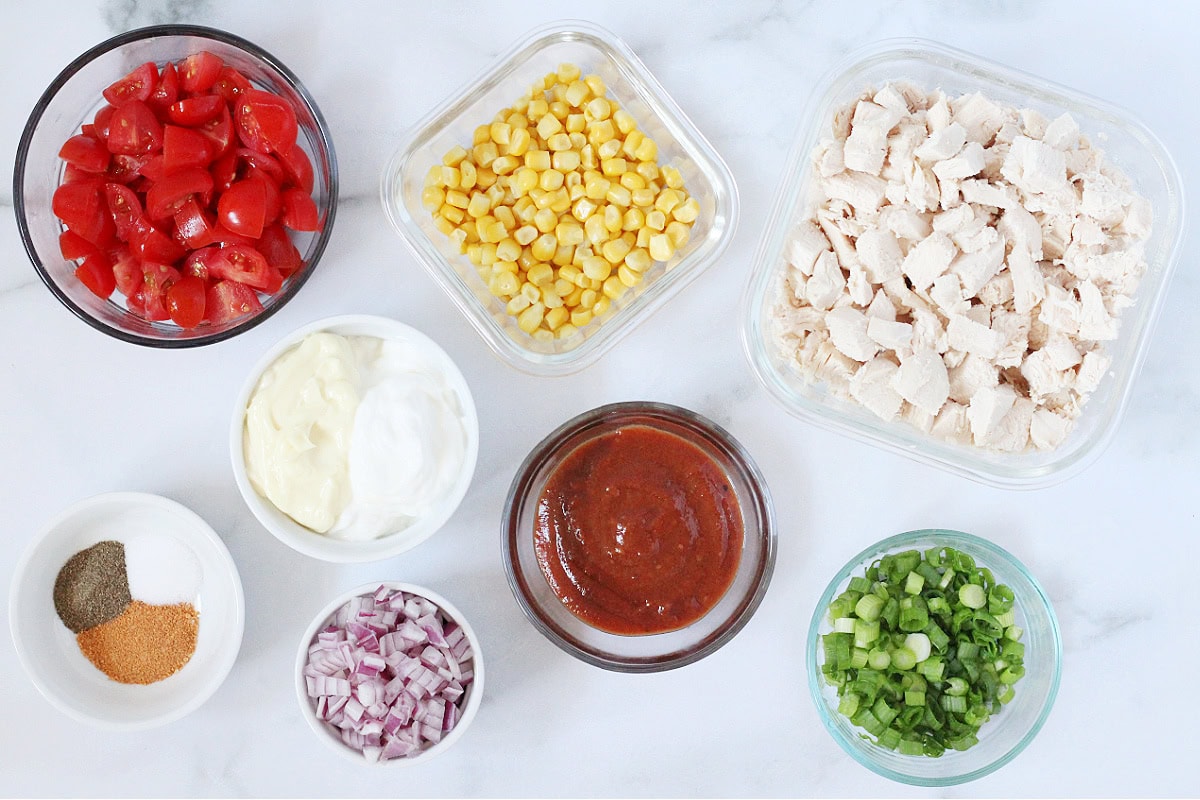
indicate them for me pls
(92, 587)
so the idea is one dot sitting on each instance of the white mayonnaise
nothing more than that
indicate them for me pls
(354, 437)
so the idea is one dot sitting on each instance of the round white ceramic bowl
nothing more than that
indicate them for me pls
(326, 548)
(48, 650)
(470, 699)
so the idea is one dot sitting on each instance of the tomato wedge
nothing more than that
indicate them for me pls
(299, 211)
(229, 84)
(85, 152)
(184, 147)
(219, 131)
(169, 194)
(241, 263)
(242, 208)
(134, 130)
(102, 122)
(265, 121)
(125, 209)
(199, 71)
(166, 91)
(276, 246)
(193, 227)
(80, 206)
(137, 85)
(149, 243)
(74, 247)
(96, 274)
(228, 300)
(185, 301)
(297, 167)
(126, 270)
(193, 111)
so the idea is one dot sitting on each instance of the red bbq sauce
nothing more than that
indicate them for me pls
(638, 531)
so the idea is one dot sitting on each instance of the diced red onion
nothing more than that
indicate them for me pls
(389, 674)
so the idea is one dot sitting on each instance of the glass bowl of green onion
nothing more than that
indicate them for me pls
(934, 657)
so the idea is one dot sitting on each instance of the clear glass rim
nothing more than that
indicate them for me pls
(758, 283)
(988, 554)
(698, 146)
(759, 501)
(154, 32)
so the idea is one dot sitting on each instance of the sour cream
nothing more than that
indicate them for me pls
(355, 437)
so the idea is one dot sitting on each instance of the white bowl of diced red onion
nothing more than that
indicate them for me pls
(389, 674)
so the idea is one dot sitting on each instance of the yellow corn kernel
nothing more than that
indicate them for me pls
(525, 234)
(485, 178)
(615, 251)
(496, 232)
(628, 276)
(454, 155)
(524, 179)
(443, 224)
(504, 284)
(656, 220)
(649, 171)
(531, 318)
(537, 109)
(667, 200)
(518, 304)
(613, 218)
(432, 197)
(567, 73)
(434, 176)
(643, 237)
(487, 254)
(505, 164)
(551, 298)
(541, 198)
(569, 273)
(639, 260)
(548, 126)
(624, 121)
(574, 177)
(618, 195)
(679, 233)
(522, 103)
(540, 274)
(583, 208)
(526, 260)
(608, 152)
(559, 109)
(566, 331)
(601, 132)
(459, 239)
(500, 132)
(517, 120)
(545, 220)
(565, 160)
(496, 193)
(594, 229)
(532, 292)
(550, 180)
(485, 153)
(602, 306)
(569, 233)
(559, 141)
(631, 180)
(450, 177)
(524, 208)
(576, 123)
(506, 266)
(563, 287)
(538, 160)
(479, 205)
(474, 254)
(572, 300)
(647, 150)
(518, 142)
(633, 219)
(599, 108)
(577, 139)
(687, 211)
(587, 157)
(596, 84)
(588, 298)
(577, 93)
(544, 247)
(661, 248)
(596, 187)
(555, 317)
(508, 250)
(482, 134)
(596, 268)
(467, 175)
(630, 145)
(453, 213)
(560, 201)
(581, 317)
(613, 167)
(506, 216)
(671, 177)
(563, 255)
(575, 190)
(643, 197)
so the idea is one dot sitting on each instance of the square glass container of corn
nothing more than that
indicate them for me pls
(560, 198)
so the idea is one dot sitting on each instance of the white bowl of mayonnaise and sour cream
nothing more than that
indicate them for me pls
(354, 438)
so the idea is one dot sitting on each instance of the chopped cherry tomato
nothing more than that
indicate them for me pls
(193, 111)
(137, 85)
(103, 121)
(230, 83)
(89, 154)
(240, 263)
(192, 226)
(134, 130)
(224, 171)
(243, 207)
(125, 209)
(147, 304)
(219, 131)
(185, 301)
(265, 121)
(154, 168)
(168, 195)
(184, 147)
(199, 71)
(96, 274)
(299, 210)
(166, 91)
(228, 300)
(124, 169)
(150, 244)
(80, 206)
(277, 248)
(74, 247)
(126, 269)
(262, 162)
(297, 166)
(274, 204)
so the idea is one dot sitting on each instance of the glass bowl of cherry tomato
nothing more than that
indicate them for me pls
(175, 185)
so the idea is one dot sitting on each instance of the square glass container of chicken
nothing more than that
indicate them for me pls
(964, 264)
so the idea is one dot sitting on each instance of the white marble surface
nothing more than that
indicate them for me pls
(81, 414)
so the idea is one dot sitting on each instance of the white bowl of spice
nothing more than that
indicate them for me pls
(126, 611)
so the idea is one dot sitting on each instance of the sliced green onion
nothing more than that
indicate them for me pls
(868, 607)
(914, 583)
(919, 644)
(972, 596)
